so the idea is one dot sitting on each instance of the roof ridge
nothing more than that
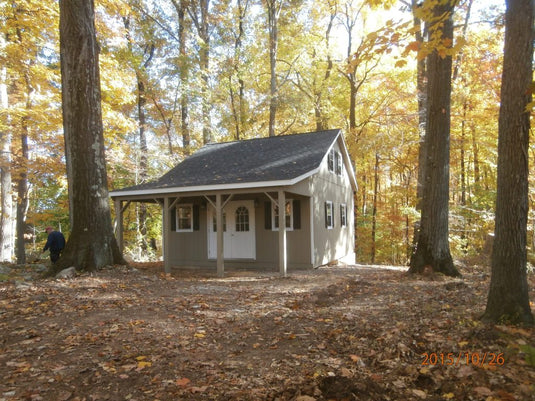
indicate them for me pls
(271, 137)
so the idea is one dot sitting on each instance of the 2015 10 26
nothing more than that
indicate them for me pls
(467, 357)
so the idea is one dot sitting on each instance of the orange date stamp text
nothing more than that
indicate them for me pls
(463, 357)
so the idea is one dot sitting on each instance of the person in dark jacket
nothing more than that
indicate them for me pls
(55, 242)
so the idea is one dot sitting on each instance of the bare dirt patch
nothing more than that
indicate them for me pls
(337, 333)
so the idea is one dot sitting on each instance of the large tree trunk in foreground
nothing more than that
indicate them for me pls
(91, 244)
(508, 299)
(432, 249)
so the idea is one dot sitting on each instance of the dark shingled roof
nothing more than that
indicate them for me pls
(255, 160)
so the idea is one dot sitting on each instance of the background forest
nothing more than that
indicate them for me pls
(176, 74)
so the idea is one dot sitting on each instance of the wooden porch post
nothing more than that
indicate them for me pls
(282, 233)
(220, 245)
(165, 234)
(119, 224)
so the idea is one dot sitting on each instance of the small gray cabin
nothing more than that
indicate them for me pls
(242, 186)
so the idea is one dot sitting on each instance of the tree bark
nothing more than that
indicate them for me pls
(374, 208)
(22, 191)
(6, 194)
(91, 244)
(273, 9)
(421, 82)
(432, 248)
(200, 17)
(181, 9)
(508, 299)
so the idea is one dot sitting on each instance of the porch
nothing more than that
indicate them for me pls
(254, 234)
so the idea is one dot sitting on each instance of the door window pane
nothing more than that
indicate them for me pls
(242, 219)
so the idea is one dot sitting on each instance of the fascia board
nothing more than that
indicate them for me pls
(346, 157)
(219, 187)
(349, 167)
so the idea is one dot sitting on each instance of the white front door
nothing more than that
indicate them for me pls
(239, 231)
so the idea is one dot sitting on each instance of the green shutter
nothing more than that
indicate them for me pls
(196, 222)
(267, 215)
(297, 214)
(172, 217)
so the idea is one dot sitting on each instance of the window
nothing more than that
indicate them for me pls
(338, 163)
(288, 215)
(334, 162)
(184, 218)
(329, 221)
(343, 215)
(242, 219)
(330, 160)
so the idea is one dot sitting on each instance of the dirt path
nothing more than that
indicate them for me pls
(340, 333)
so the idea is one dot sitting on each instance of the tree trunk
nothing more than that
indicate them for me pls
(374, 208)
(200, 18)
(184, 101)
(432, 248)
(508, 299)
(475, 151)
(91, 244)
(181, 8)
(143, 150)
(273, 9)
(421, 90)
(238, 101)
(6, 194)
(22, 192)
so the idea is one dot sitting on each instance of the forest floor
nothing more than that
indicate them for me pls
(335, 333)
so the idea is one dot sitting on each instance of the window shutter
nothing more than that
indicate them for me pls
(196, 223)
(172, 217)
(267, 215)
(326, 205)
(333, 214)
(297, 214)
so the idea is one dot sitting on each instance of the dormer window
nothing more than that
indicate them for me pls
(330, 160)
(334, 162)
(338, 163)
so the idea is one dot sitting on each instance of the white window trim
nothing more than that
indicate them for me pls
(343, 221)
(184, 230)
(275, 218)
(338, 165)
(331, 208)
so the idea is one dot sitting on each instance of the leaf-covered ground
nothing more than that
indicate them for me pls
(336, 333)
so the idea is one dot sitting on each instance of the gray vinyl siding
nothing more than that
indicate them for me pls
(191, 248)
(336, 243)
(297, 240)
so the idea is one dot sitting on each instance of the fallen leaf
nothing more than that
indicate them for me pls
(198, 389)
(419, 393)
(182, 382)
(483, 391)
(143, 365)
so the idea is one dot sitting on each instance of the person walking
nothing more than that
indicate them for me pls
(55, 242)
